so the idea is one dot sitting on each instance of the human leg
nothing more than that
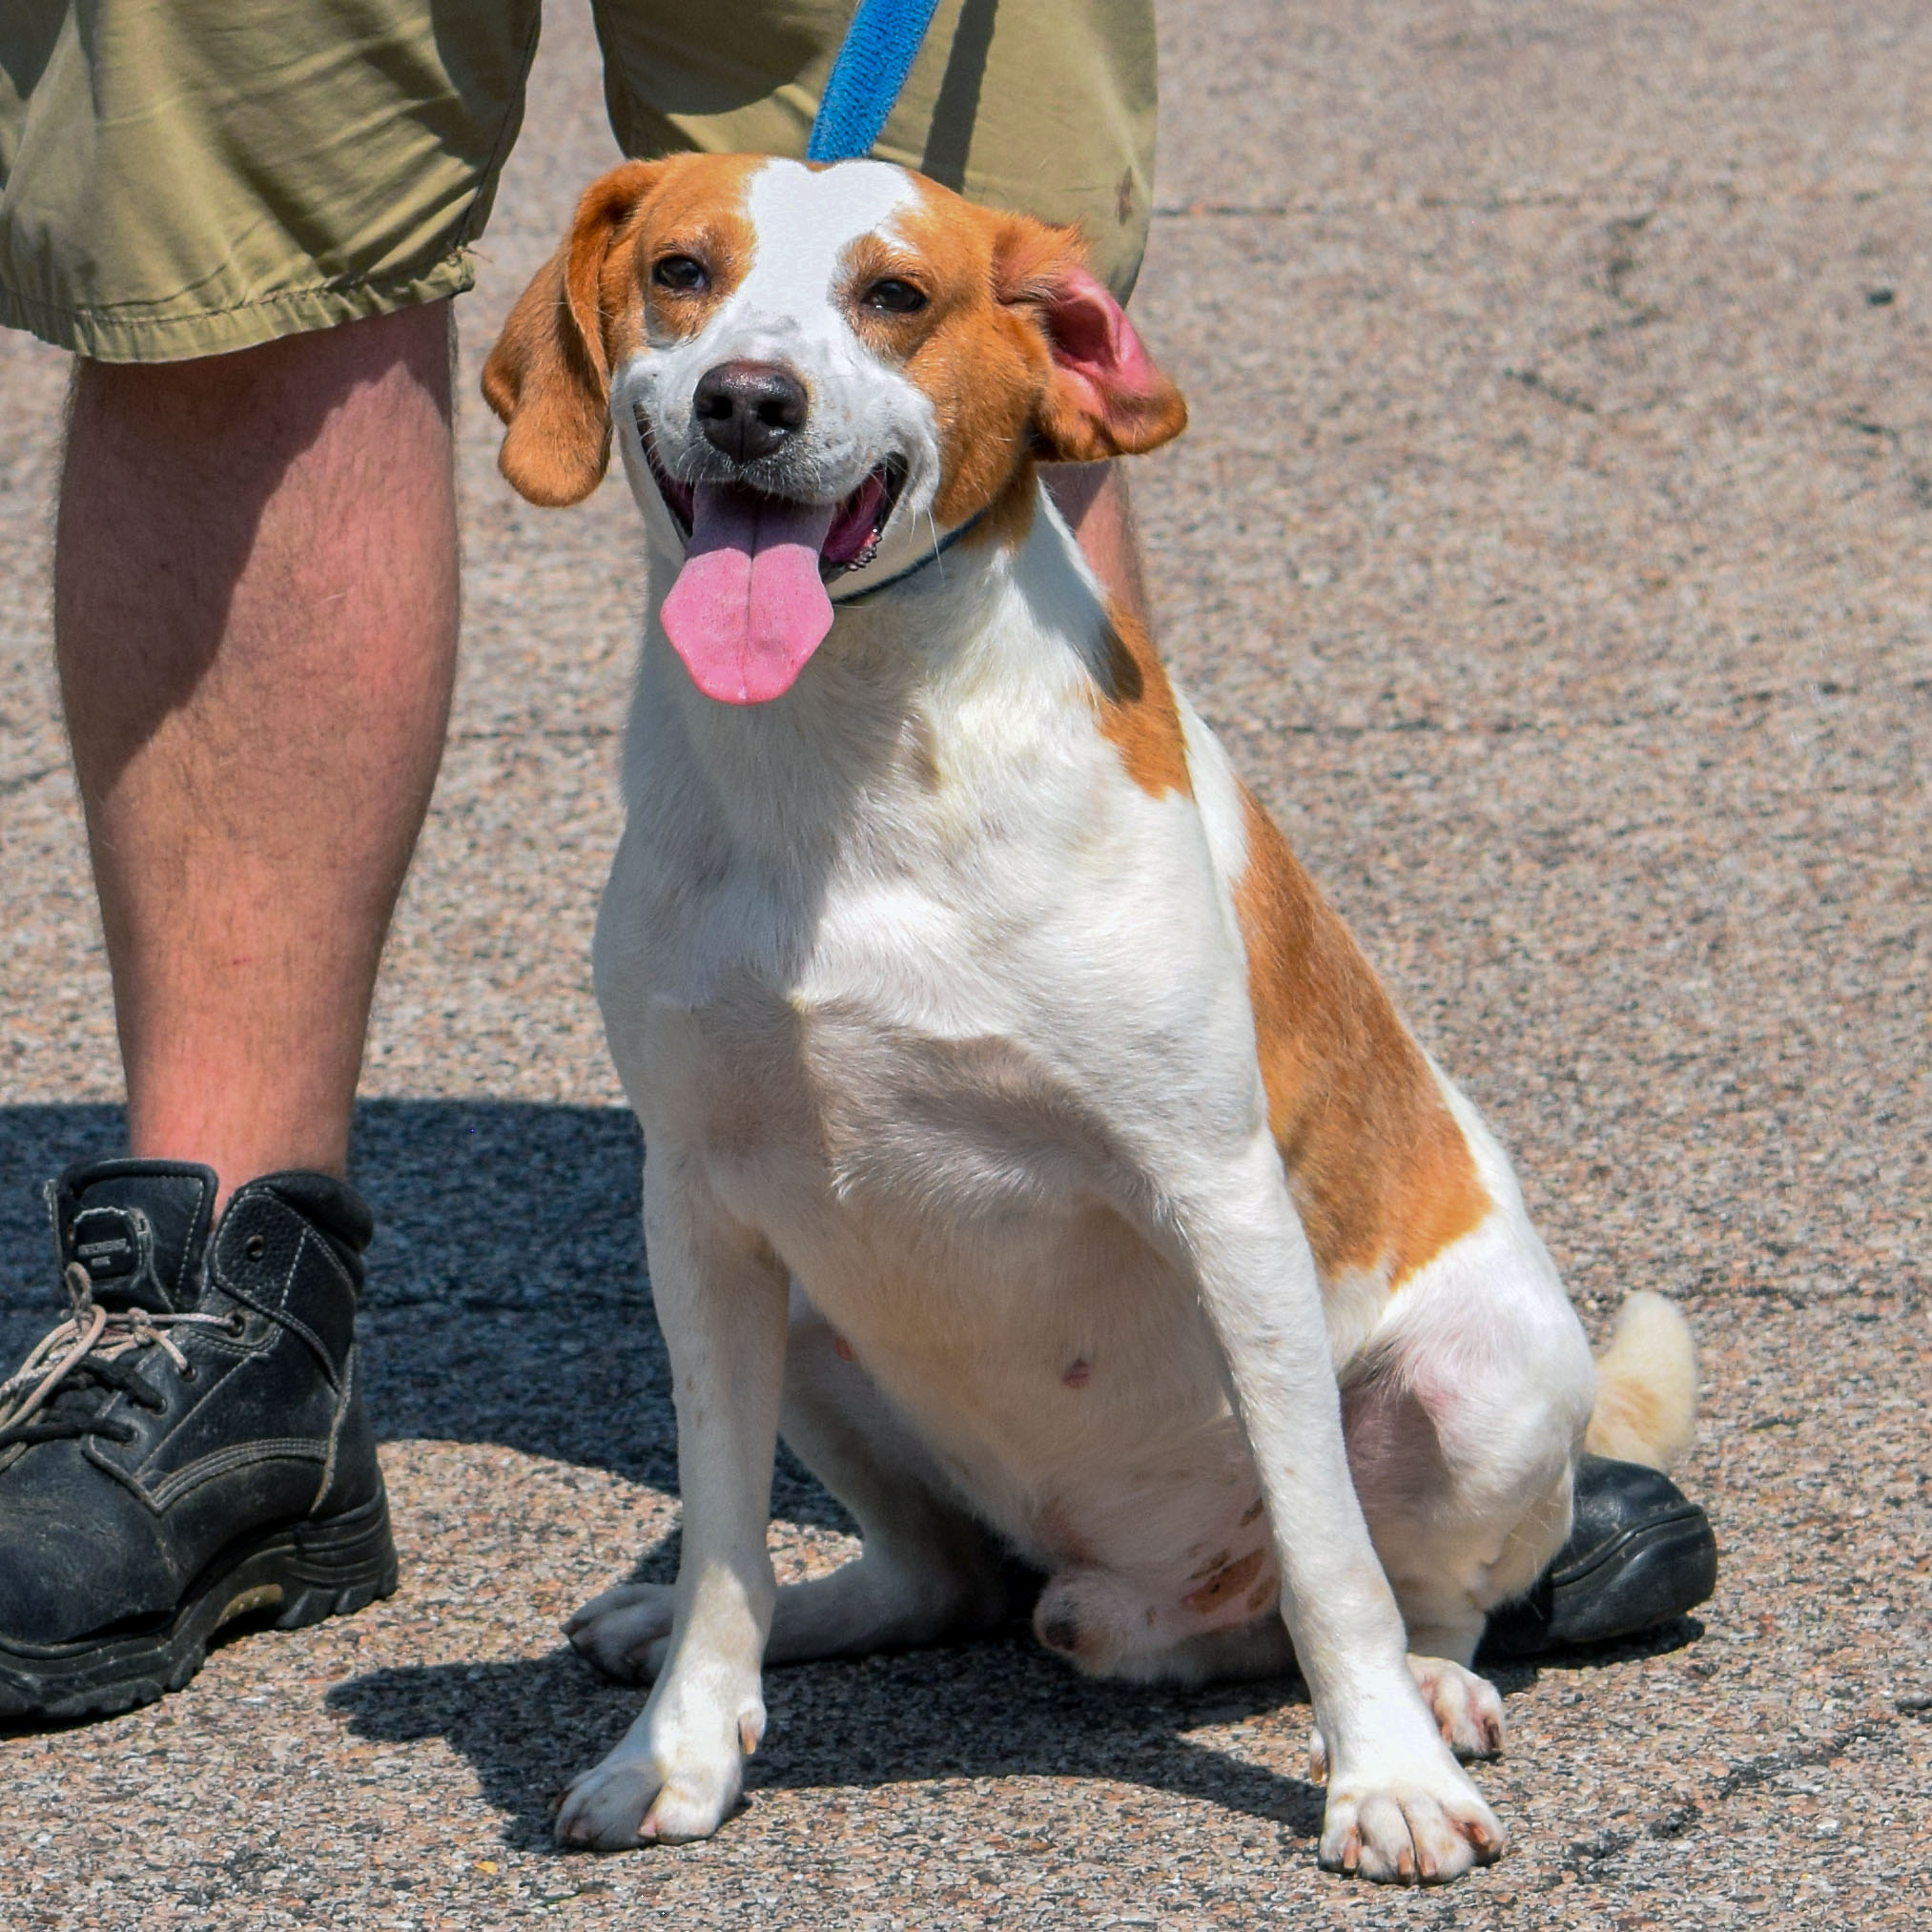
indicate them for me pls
(255, 564)
(256, 613)
(255, 623)
(255, 607)
(1093, 498)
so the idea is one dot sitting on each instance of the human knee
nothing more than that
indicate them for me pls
(277, 393)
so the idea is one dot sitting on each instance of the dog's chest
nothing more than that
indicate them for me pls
(948, 1012)
(896, 1084)
(947, 1176)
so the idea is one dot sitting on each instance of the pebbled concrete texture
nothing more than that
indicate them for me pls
(1553, 549)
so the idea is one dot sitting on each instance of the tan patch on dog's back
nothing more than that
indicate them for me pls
(1380, 1170)
(1138, 714)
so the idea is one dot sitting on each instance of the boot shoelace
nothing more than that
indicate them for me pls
(93, 1347)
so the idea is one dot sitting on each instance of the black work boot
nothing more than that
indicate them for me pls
(1640, 1555)
(190, 1443)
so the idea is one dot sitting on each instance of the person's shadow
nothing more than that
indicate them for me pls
(507, 1299)
(506, 1303)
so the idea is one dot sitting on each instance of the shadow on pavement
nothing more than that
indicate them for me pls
(507, 1299)
(997, 1709)
(1511, 1674)
(507, 1303)
(480, 1206)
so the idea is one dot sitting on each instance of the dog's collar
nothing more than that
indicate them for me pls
(932, 556)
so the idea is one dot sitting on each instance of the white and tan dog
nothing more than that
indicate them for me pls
(1027, 1139)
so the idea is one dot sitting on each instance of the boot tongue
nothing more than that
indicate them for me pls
(749, 607)
(139, 1227)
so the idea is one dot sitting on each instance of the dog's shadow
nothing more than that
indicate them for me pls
(997, 1708)
(1000, 1708)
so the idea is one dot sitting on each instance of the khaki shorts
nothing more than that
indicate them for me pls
(182, 177)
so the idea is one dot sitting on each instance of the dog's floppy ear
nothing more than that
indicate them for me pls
(1105, 397)
(548, 377)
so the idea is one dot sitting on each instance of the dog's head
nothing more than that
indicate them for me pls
(813, 372)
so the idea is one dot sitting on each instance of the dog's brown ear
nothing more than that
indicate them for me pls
(548, 377)
(1105, 397)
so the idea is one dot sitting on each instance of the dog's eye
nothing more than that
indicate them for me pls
(681, 272)
(892, 296)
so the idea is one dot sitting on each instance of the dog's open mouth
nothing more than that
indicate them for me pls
(857, 524)
(750, 606)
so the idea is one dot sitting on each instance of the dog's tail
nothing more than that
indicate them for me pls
(1646, 1385)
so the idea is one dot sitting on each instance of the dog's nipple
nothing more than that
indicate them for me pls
(1079, 1375)
(842, 1348)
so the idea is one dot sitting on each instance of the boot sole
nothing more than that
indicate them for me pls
(304, 1571)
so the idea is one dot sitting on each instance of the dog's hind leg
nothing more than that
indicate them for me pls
(1461, 1428)
(927, 1570)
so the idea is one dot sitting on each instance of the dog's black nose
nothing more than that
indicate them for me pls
(749, 409)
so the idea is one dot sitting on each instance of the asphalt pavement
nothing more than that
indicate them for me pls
(1552, 546)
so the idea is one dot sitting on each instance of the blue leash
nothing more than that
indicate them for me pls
(871, 67)
(873, 60)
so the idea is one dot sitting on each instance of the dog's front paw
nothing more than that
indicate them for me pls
(1419, 1829)
(667, 1784)
(625, 1632)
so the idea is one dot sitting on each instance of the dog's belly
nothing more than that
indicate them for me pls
(1062, 1374)
(954, 1207)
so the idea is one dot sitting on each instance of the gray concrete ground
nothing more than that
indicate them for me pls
(1554, 547)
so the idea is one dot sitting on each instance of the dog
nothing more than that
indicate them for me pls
(1027, 1140)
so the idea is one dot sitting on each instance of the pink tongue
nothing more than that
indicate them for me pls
(749, 607)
